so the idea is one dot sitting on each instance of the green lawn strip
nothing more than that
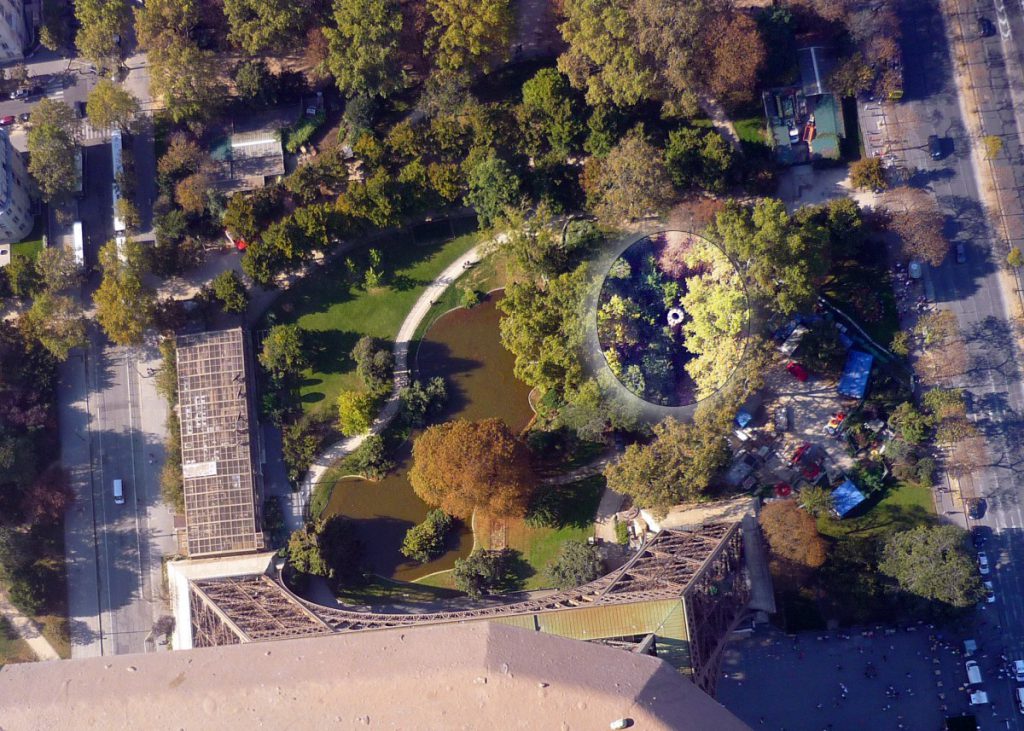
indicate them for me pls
(384, 591)
(490, 273)
(903, 508)
(336, 314)
(751, 130)
(12, 647)
(440, 580)
(33, 243)
(539, 546)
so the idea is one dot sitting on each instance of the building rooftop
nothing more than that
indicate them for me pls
(453, 677)
(221, 496)
(244, 160)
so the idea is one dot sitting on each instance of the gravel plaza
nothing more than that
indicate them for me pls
(870, 678)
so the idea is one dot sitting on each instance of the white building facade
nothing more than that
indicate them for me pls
(13, 30)
(15, 205)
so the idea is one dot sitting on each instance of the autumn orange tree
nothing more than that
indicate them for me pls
(461, 466)
(792, 534)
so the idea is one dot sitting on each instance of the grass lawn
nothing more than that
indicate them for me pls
(751, 130)
(33, 243)
(336, 312)
(490, 273)
(381, 591)
(13, 648)
(440, 580)
(539, 546)
(902, 508)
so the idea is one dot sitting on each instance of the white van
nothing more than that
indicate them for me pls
(973, 673)
(118, 492)
(1020, 699)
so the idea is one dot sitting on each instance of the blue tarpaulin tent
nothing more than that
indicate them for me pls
(846, 497)
(855, 375)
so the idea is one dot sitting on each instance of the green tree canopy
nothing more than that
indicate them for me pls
(782, 259)
(57, 269)
(110, 105)
(630, 182)
(363, 50)
(124, 306)
(493, 187)
(547, 116)
(542, 329)
(56, 321)
(425, 541)
(676, 466)
(355, 412)
(52, 147)
(283, 354)
(327, 548)
(254, 84)
(484, 572)
(698, 158)
(576, 564)
(932, 562)
(186, 77)
(470, 34)
(259, 26)
(228, 288)
(462, 466)
(103, 24)
(868, 174)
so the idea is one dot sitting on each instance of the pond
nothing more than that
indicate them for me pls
(464, 346)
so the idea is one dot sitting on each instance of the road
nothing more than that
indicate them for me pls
(974, 292)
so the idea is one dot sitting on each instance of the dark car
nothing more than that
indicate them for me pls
(24, 116)
(985, 28)
(975, 507)
(935, 147)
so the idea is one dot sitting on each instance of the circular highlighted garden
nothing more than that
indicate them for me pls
(672, 318)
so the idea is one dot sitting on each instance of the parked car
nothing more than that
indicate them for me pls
(1020, 699)
(797, 371)
(973, 672)
(990, 592)
(975, 507)
(8, 120)
(24, 117)
(935, 147)
(986, 28)
(19, 93)
(1018, 670)
(983, 563)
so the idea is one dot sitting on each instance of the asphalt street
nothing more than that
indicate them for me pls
(973, 291)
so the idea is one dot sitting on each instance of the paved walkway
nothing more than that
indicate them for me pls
(26, 629)
(338, 450)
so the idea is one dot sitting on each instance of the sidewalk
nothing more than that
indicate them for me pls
(26, 629)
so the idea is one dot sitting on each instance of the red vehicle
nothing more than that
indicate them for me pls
(799, 453)
(7, 121)
(797, 371)
(783, 489)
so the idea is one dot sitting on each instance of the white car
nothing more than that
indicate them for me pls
(1018, 670)
(983, 563)
(990, 592)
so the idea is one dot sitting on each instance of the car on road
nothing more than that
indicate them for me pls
(935, 147)
(19, 93)
(980, 534)
(797, 371)
(961, 253)
(973, 672)
(24, 117)
(1018, 670)
(1019, 695)
(975, 507)
(986, 28)
(990, 592)
(8, 120)
(983, 563)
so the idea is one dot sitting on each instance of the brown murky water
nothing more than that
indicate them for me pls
(463, 346)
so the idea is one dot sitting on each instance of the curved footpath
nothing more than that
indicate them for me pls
(340, 449)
